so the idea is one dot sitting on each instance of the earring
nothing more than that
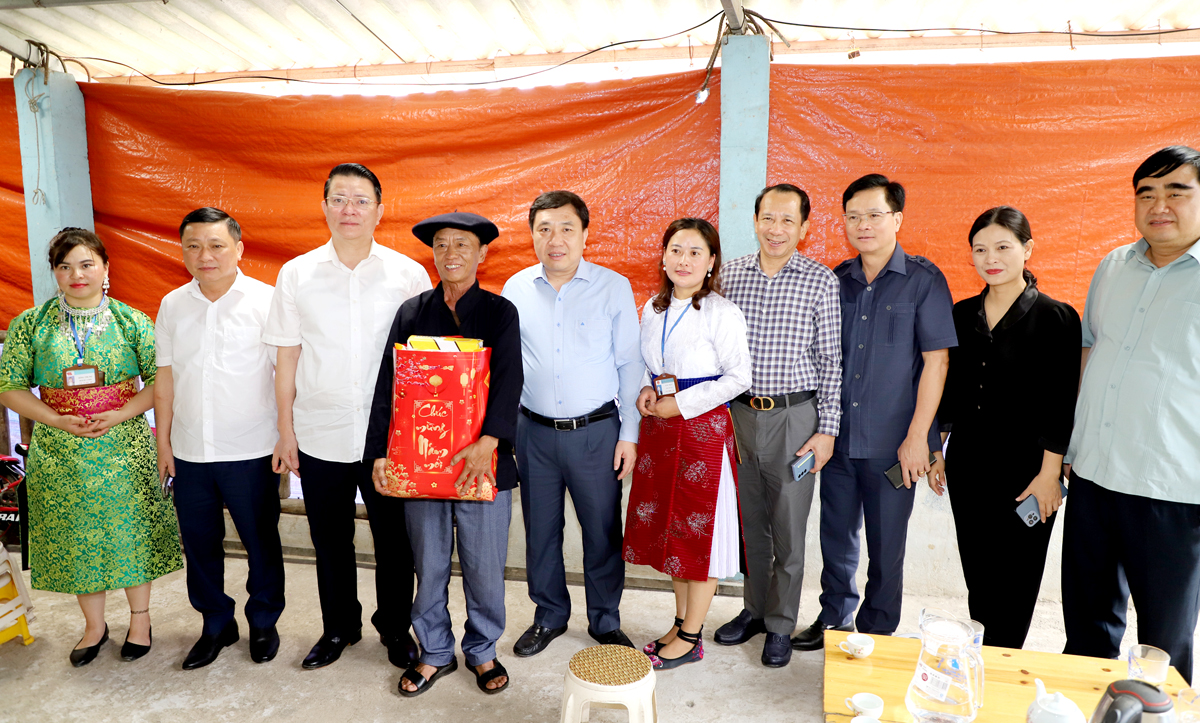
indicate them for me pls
(708, 274)
(105, 286)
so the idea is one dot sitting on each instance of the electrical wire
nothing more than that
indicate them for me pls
(719, 13)
(1081, 33)
(771, 22)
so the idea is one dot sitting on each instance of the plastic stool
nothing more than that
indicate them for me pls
(609, 676)
(12, 606)
(7, 564)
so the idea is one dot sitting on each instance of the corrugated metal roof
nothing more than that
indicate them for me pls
(210, 36)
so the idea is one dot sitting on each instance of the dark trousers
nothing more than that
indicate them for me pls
(1003, 560)
(580, 461)
(1116, 544)
(250, 491)
(854, 491)
(329, 504)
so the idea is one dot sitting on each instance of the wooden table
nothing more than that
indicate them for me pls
(1008, 686)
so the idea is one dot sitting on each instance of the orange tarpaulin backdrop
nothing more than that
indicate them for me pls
(1058, 140)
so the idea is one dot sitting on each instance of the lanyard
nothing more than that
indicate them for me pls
(80, 344)
(667, 334)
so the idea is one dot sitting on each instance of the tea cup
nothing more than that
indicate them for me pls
(858, 645)
(867, 705)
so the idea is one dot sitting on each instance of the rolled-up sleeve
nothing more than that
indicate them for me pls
(826, 355)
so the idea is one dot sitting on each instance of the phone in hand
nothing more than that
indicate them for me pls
(166, 483)
(1028, 509)
(896, 476)
(803, 465)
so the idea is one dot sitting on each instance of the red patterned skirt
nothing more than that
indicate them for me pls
(673, 500)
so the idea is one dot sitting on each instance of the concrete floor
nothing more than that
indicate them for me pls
(37, 683)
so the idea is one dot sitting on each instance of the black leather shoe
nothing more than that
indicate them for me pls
(329, 648)
(612, 637)
(813, 637)
(777, 651)
(264, 644)
(208, 647)
(133, 651)
(403, 651)
(82, 656)
(535, 639)
(739, 630)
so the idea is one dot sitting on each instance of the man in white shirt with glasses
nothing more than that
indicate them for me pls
(214, 405)
(330, 317)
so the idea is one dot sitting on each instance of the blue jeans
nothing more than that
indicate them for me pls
(482, 534)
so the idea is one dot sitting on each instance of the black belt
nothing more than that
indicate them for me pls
(766, 404)
(566, 425)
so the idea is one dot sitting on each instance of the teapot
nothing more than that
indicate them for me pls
(1052, 708)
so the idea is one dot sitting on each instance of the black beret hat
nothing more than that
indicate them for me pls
(476, 224)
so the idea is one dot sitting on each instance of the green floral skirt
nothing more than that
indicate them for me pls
(97, 519)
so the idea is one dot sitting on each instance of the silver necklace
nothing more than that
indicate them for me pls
(95, 319)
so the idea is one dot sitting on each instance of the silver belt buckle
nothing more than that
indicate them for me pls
(565, 425)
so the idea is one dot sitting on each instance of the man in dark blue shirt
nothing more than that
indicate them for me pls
(897, 325)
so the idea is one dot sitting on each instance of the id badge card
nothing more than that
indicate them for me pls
(666, 385)
(82, 376)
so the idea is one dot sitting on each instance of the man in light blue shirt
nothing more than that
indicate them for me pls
(1133, 520)
(580, 348)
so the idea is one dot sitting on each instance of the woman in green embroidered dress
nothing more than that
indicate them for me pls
(97, 518)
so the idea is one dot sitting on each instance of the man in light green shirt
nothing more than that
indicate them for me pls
(1133, 522)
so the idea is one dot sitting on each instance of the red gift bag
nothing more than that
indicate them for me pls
(439, 399)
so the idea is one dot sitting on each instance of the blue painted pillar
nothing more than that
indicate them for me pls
(745, 104)
(54, 166)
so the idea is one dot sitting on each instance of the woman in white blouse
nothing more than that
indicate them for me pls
(682, 518)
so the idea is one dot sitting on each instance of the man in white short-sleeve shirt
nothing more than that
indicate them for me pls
(330, 317)
(214, 403)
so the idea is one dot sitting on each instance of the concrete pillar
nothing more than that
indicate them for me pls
(54, 166)
(745, 104)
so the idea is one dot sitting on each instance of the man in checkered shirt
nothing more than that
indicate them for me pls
(793, 316)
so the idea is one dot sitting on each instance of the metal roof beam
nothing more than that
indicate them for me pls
(22, 50)
(733, 16)
(24, 4)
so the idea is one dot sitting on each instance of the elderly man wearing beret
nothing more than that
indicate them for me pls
(459, 307)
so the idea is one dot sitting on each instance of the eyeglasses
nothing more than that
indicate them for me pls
(342, 202)
(872, 218)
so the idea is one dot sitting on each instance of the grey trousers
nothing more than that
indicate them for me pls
(774, 509)
(482, 535)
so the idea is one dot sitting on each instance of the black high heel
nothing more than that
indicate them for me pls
(82, 656)
(651, 648)
(695, 655)
(133, 651)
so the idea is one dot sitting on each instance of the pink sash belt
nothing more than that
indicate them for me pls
(90, 401)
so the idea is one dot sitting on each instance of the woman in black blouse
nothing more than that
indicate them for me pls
(1010, 402)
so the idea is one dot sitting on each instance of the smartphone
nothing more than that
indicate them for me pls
(1028, 509)
(802, 465)
(896, 476)
(167, 484)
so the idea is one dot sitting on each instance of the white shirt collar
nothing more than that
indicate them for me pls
(332, 256)
(239, 285)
